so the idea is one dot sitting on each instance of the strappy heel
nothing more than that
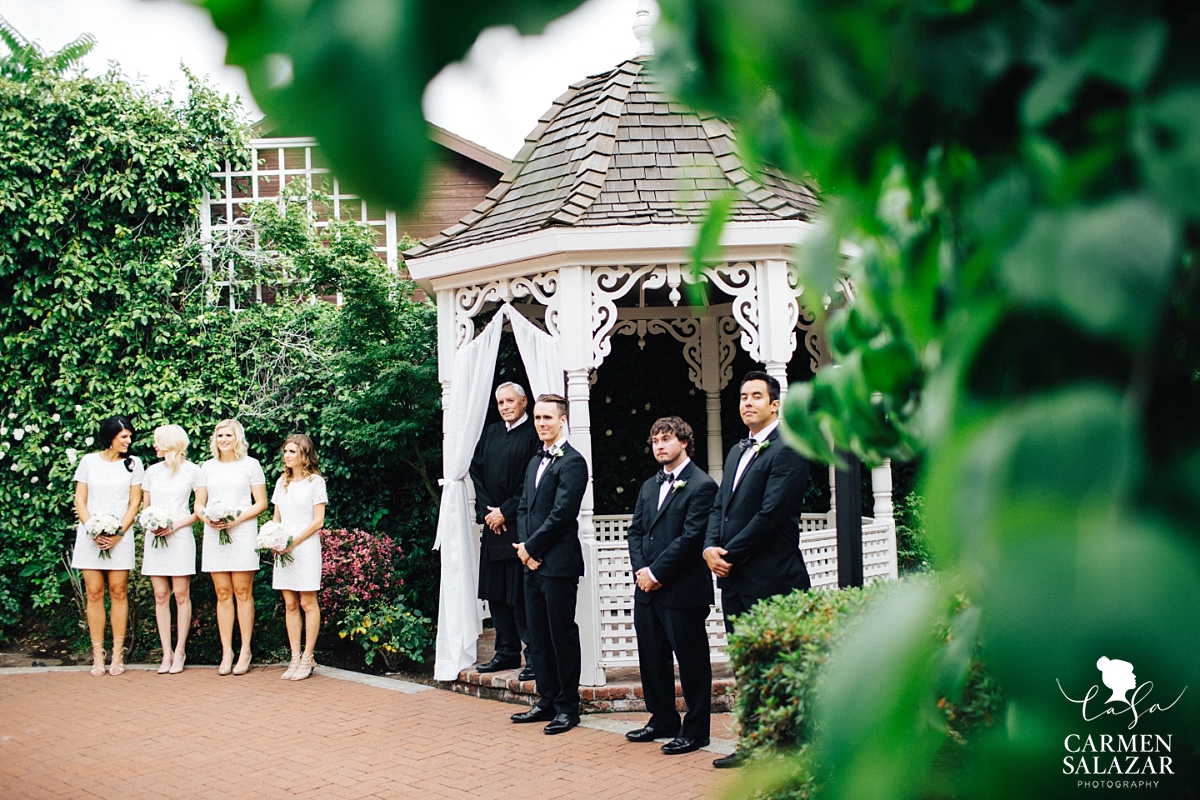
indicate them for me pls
(291, 670)
(118, 659)
(307, 664)
(98, 656)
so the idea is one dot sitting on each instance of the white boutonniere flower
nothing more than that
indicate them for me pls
(677, 485)
(760, 446)
(555, 452)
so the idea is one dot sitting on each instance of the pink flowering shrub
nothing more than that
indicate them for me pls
(358, 569)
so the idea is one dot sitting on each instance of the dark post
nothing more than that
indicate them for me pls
(849, 521)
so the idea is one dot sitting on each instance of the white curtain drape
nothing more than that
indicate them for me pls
(539, 352)
(459, 621)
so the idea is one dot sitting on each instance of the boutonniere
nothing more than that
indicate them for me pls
(760, 446)
(555, 452)
(677, 485)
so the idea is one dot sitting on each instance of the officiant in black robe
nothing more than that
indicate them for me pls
(498, 473)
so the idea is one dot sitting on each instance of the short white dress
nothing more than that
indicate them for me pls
(295, 504)
(172, 492)
(230, 481)
(108, 484)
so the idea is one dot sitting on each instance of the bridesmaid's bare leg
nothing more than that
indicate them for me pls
(223, 585)
(162, 616)
(93, 582)
(243, 590)
(182, 584)
(312, 621)
(118, 600)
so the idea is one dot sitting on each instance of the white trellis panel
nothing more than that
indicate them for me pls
(818, 544)
(275, 164)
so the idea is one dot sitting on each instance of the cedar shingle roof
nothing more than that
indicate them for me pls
(615, 150)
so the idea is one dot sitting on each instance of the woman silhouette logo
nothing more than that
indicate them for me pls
(1118, 676)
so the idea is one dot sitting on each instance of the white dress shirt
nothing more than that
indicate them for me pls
(546, 461)
(510, 425)
(664, 488)
(748, 453)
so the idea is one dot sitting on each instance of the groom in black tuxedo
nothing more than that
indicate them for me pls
(548, 545)
(674, 590)
(753, 539)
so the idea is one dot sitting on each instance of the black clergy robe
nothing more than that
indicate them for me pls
(498, 473)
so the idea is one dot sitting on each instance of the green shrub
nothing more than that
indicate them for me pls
(778, 652)
(390, 630)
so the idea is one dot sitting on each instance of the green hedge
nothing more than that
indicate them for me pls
(778, 652)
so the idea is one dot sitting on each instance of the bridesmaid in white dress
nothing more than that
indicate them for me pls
(237, 480)
(300, 500)
(169, 484)
(107, 482)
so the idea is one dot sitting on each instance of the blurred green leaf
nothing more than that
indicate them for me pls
(1106, 266)
(1167, 143)
(352, 73)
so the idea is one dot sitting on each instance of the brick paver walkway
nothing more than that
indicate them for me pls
(198, 735)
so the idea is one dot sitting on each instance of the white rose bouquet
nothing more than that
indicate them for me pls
(154, 519)
(103, 525)
(272, 538)
(220, 511)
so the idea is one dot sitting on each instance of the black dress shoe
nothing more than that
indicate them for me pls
(646, 734)
(497, 664)
(526, 675)
(561, 724)
(680, 745)
(534, 714)
(734, 759)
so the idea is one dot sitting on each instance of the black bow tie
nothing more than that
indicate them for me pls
(546, 455)
(746, 444)
(662, 477)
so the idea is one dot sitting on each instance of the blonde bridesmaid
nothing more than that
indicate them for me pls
(171, 564)
(235, 479)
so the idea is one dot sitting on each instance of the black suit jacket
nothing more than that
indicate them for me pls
(548, 514)
(759, 523)
(670, 540)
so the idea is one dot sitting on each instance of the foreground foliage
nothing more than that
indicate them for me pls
(779, 652)
(1020, 184)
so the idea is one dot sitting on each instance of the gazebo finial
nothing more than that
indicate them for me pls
(642, 27)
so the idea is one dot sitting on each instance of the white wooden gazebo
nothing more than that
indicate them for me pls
(588, 235)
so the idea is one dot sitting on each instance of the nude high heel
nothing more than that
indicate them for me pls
(291, 670)
(307, 664)
(118, 659)
(97, 659)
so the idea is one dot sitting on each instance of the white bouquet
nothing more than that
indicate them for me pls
(154, 519)
(272, 538)
(103, 525)
(220, 511)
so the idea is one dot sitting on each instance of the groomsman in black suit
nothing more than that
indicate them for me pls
(548, 545)
(753, 539)
(674, 590)
(498, 473)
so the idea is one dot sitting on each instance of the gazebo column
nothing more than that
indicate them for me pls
(710, 379)
(881, 488)
(777, 315)
(574, 298)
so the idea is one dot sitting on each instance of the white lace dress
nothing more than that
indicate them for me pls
(230, 481)
(295, 504)
(177, 555)
(108, 484)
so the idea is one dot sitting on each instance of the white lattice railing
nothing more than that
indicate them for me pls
(818, 543)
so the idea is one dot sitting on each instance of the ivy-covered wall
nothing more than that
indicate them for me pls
(108, 310)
